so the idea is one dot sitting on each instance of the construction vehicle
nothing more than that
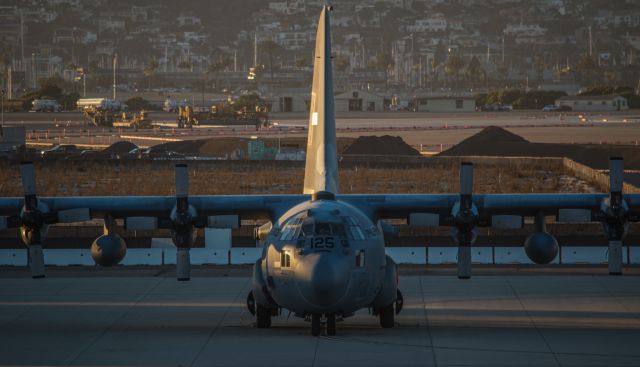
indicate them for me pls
(101, 111)
(139, 120)
(224, 113)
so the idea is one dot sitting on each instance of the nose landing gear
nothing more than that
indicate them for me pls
(317, 320)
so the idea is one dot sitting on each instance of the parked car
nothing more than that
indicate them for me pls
(60, 150)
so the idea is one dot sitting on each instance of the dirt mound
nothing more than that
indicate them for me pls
(120, 147)
(380, 145)
(498, 142)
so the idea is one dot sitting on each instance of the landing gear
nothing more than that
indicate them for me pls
(331, 324)
(263, 317)
(315, 324)
(387, 316)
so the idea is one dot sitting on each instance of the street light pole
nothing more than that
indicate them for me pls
(2, 120)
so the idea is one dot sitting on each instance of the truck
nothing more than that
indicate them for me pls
(101, 111)
(46, 105)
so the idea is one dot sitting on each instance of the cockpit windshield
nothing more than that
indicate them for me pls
(299, 228)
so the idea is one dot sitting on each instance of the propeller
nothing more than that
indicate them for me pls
(183, 217)
(33, 220)
(465, 218)
(615, 212)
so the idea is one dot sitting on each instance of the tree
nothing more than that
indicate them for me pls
(270, 48)
(218, 65)
(588, 72)
(150, 70)
(454, 64)
(474, 73)
(385, 62)
(342, 63)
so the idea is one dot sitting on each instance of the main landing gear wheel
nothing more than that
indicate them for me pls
(387, 316)
(331, 324)
(315, 324)
(263, 317)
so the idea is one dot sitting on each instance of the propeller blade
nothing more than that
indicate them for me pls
(74, 215)
(36, 261)
(182, 236)
(616, 173)
(182, 187)
(28, 175)
(466, 185)
(615, 257)
(465, 234)
(183, 264)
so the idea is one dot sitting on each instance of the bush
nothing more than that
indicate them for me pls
(139, 103)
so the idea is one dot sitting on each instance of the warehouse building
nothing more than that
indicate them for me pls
(357, 100)
(594, 103)
(444, 104)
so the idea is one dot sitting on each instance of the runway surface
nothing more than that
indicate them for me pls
(489, 320)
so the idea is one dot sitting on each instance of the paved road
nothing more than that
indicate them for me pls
(509, 320)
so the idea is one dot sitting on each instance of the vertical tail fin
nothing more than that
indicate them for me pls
(321, 170)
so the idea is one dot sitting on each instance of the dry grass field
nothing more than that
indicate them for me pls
(133, 177)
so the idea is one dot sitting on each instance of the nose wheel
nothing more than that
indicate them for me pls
(316, 324)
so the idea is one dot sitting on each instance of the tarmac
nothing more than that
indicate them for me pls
(497, 318)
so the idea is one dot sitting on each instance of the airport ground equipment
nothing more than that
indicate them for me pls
(136, 120)
(224, 113)
(46, 105)
(323, 255)
(101, 111)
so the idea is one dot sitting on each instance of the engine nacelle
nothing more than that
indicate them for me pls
(108, 250)
(541, 247)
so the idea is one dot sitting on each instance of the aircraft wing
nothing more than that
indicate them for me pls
(72, 209)
(402, 205)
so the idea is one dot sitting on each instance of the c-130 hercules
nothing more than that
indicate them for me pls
(323, 256)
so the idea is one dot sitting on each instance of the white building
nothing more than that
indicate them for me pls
(594, 103)
(357, 100)
(288, 103)
(445, 104)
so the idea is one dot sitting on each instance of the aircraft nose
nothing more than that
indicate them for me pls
(327, 279)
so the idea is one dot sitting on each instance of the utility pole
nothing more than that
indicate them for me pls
(503, 48)
(2, 119)
(22, 35)
(255, 50)
(590, 43)
(10, 82)
(115, 64)
(84, 84)
(34, 70)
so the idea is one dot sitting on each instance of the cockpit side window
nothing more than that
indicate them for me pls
(353, 229)
(291, 229)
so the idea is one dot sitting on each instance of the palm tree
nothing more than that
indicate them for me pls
(150, 70)
(270, 48)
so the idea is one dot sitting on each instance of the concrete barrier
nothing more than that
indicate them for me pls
(634, 255)
(442, 255)
(481, 255)
(14, 257)
(143, 256)
(244, 255)
(588, 255)
(512, 255)
(407, 255)
(206, 256)
(218, 238)
(66, 257)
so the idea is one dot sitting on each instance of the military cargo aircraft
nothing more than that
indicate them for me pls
(323, 253)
